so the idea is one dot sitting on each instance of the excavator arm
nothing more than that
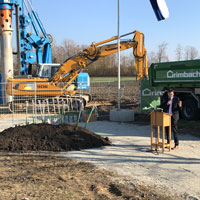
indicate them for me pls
(71, 68)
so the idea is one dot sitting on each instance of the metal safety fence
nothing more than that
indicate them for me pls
(109, 90)
(25, 103)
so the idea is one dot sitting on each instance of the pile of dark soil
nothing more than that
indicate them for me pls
(47, 137)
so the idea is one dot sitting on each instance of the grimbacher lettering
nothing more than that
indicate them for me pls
(171, 74)
(148, 92)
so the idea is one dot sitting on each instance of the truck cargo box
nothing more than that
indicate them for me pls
(175, 74)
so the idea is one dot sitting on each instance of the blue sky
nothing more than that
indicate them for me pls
(87, 21)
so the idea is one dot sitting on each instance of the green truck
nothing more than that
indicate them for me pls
(182, 76)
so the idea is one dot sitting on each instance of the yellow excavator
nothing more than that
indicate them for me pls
(61, 82)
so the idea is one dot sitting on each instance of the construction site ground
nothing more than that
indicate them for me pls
(125, 170)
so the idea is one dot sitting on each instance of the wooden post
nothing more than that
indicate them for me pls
(158, 136)
(163, 139)
(151, 138)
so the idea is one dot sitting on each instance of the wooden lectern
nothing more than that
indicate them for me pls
(160, 119)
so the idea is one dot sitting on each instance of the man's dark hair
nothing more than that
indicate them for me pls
(170, 90)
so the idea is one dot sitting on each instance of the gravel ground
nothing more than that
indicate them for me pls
(177, 171)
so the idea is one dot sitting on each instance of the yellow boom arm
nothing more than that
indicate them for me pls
(70, 69)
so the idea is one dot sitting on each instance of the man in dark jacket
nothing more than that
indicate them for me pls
(172, 105)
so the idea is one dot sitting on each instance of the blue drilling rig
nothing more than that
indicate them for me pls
(34, 46)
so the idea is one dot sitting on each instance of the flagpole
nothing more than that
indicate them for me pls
(118, 33)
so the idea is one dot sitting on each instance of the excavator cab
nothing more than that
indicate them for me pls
(47, 70)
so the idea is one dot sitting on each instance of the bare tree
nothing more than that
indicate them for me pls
(191, 53)
(70, 48)
(179, 52)
(187, 53)
(57, 52)
(106, 66)
(152, 58)
(124, 65)
(161, 54)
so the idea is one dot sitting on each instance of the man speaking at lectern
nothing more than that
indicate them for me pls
(172, 105)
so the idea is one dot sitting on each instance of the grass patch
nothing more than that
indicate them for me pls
(111, 79)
